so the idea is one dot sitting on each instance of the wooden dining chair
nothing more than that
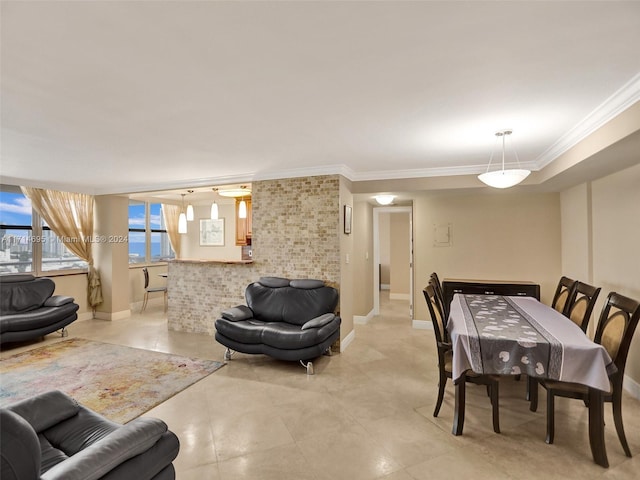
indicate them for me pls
(445, 359)
(616, 326)
(580, 304)
(563, 292)
(148, 290)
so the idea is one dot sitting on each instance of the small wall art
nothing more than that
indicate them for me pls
(211, 232)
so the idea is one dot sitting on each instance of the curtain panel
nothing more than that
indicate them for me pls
(70, 217)
(171, 215)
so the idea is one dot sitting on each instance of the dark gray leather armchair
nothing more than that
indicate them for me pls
(52, 437)
(291, 320)
(28, 308)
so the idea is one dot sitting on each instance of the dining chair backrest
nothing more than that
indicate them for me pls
(617, 324)
(145, 272)
(435, 280)
(580, 304)
(563, 292)
(435, 311)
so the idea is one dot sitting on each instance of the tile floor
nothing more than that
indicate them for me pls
(366, 414)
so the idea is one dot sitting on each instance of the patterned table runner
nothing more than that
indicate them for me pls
(505, 340)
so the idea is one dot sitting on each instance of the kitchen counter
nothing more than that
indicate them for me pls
(199, 290)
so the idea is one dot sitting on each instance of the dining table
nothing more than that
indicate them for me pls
(514, 335)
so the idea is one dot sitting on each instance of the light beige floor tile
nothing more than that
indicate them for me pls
(350, 454)
(244, 433)
(273, 464)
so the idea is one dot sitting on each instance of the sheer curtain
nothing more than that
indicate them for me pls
(171, 214)
(70, 217)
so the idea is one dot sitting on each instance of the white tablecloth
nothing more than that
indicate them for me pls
(576, 358)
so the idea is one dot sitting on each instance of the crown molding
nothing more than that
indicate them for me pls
(617, 103)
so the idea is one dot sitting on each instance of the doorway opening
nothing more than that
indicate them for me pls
(393, 258)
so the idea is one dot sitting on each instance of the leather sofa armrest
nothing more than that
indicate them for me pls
(100, 458)
(58, 300)
(320, 321)
(20, 448)
(235, 314)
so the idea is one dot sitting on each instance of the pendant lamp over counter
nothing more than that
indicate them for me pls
(182, 219)
(189, 209)
(214, 208)
(242, 209)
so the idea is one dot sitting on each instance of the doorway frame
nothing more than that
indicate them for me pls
(376, 255)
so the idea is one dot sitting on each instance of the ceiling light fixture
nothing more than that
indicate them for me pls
(190, 209)
(384, 199)
(242, 191)
(182, 219)
(504, 178)
(214, 208)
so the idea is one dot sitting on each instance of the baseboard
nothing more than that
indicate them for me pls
(363, 320)
(399, 296)
(113, 315)
(347, 340)
(84, 316)
(422, 325)
(631, 386)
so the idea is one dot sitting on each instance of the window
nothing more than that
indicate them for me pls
(137, 232)
(148, 238)
(27, 244)
(16, 245)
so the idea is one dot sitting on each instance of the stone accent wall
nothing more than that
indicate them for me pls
(295, 234)
(296, 227)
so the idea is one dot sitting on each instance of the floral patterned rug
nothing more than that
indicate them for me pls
(118, 382)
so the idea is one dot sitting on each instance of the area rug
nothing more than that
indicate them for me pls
(118, 382)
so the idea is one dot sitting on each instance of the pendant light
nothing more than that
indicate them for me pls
(242, 209)
(182, 219)
(504, 178)
(190, 209)
(214, 208)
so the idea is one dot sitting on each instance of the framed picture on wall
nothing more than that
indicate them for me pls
(347, 219)
(211, 232)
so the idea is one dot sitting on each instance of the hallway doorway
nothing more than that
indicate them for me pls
(393, 259)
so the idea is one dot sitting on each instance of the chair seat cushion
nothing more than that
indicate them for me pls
(566, 387)
(275, 334)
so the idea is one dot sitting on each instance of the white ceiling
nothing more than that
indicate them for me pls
(118, 97)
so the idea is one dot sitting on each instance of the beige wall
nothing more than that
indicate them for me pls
(346, 258)
(400, 235)
(611, 206)
(112, 258)
(363, 258)
(498, 236)
(190, 245)
(384, 244)
(74, 286)
(576, 233)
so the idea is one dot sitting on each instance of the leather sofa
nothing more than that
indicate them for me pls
(290, 320)
(28, 308)
(52, 437)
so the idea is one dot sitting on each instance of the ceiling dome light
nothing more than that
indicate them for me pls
(384, 199)
(504, 178)
(243, 191)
